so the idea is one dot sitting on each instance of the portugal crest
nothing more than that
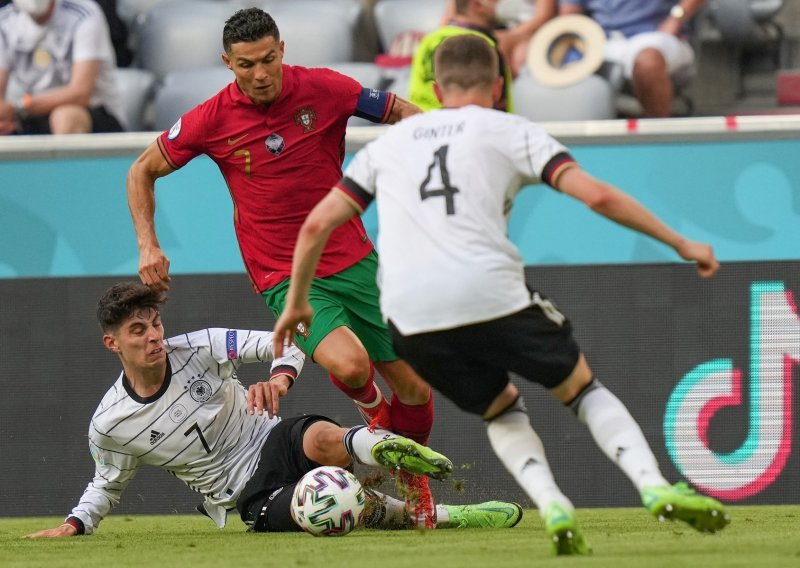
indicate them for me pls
(305, 117)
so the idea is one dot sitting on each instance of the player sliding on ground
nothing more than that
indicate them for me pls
(276, 133)
(453, 286)
(177, 405)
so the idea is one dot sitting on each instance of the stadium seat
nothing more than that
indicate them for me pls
(316, 32)
(594, 98)
(749, 28)
(135, 88)
(400, 81)
(132, 11)
(746, 21)
(396, 17)
(180, 35)
(368, 74)
(183, 90)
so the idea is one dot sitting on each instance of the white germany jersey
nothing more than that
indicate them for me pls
(196, 427)
(445, 183)
(40, 58)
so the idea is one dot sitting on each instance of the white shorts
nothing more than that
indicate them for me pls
(677, 52)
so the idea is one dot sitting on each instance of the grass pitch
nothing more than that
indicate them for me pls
(621, 538)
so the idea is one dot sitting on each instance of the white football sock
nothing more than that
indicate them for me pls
(359, 441)
(619, 436)
(390, 513)
(386, 512)
(522, 452)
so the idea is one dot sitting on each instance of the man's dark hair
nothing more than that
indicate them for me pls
(125, 299)
(466, 61)
(248, 25)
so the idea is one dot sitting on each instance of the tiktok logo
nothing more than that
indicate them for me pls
(716, 384)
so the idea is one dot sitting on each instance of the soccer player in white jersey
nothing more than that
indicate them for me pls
(178, 405)
(453, 288)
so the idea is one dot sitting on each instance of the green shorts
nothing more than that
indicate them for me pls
(348, 298)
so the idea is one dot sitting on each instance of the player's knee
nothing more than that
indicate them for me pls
(323, 444)
(515, 408)
(70, 119)
(575, 402)
(512, 419)
(650, 64)
(504, 401)
(353, 371)
(412, 393)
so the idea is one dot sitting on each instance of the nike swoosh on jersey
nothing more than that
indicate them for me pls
(233, 141)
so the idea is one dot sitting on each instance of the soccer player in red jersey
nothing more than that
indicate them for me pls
(277, 135)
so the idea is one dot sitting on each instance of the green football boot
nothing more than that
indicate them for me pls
(679, 501)
(489, 515)
(563, 532)
(402, 454)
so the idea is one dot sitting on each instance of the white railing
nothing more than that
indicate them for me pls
(571, 133)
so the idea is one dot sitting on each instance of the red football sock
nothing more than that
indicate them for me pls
(366, 395)
(412, 421)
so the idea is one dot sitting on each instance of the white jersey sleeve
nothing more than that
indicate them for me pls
(114, 469)
(232, 348)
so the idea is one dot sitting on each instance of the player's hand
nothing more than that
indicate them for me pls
(286, 326)
(265, 395)
(58, 532)
(154, 268)
(702, 254)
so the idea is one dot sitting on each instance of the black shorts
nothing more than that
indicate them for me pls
(283, 462)
(102, 121)
(470, 365)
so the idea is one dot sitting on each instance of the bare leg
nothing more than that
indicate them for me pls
(652, 84)
(70, 119)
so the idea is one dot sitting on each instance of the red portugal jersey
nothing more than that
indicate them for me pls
(279, 162)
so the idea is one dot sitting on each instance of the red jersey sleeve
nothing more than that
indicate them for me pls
(185, 140)
(342, 89)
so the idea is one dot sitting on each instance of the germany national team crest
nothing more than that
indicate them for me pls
(305, 117)
(200, 390)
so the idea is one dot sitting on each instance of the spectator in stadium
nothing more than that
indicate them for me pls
(513, 39)
(252, 459)
(449, 177)
(57, 69)
(276, 133)
(477, 17)
(118, 32)
(648, 38)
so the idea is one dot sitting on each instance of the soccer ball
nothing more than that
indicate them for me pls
(328, 501)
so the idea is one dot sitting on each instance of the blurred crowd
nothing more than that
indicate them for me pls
(79, 66)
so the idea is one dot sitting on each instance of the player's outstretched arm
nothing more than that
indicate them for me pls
(401, 109)
(141, 187)
(58, 532)
(620, 207)
(328, 214)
